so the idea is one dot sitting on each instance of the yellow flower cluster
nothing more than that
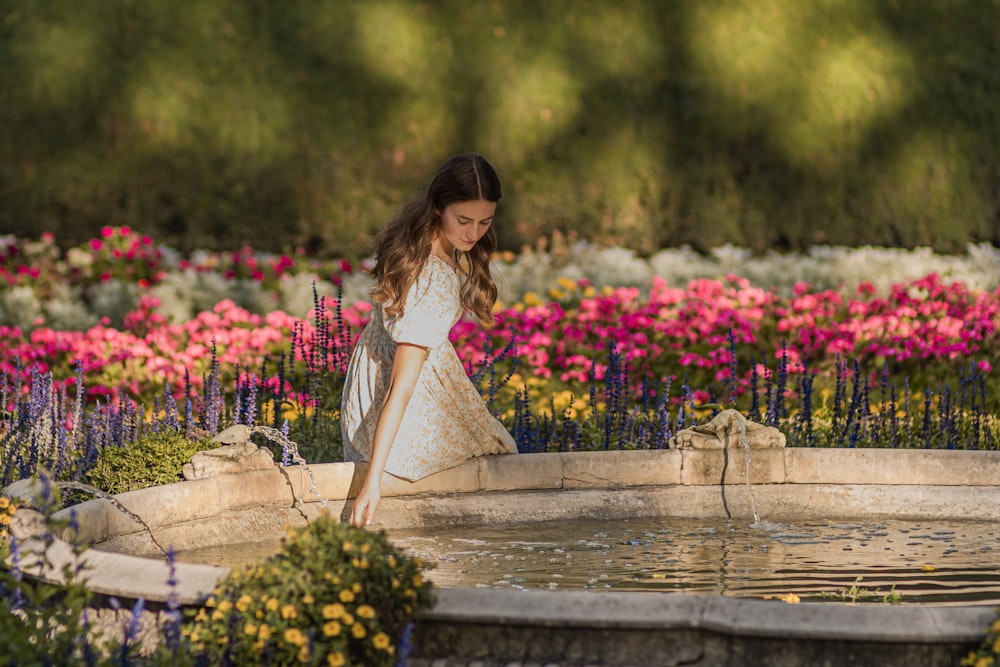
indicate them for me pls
(7, 510)
(988, 654)
(360, 592)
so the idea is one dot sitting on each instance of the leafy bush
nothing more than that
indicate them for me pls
(334, 595)
(155, 458)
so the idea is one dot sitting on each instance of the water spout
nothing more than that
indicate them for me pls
(38, 490)
(741, 425)
(292, 448)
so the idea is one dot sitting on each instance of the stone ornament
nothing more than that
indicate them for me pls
(237, 454)
(726, 431)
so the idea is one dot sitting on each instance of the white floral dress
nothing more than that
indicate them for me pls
(446, 420)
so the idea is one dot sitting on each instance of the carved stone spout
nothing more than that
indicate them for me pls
(726, 430)
(237, 454)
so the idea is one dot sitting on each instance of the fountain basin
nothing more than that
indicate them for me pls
(583, 627)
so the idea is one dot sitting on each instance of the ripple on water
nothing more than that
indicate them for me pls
(941, 562)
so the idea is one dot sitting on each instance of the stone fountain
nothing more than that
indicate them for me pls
(233, 495)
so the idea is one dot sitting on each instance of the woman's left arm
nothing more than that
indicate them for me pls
(407, 361)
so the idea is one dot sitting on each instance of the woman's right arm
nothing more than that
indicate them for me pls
(406, 364)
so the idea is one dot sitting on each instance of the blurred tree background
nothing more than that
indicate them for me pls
(770, 124)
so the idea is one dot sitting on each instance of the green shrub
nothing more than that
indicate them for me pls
(155, 458)
(334, 595)
(767, 125)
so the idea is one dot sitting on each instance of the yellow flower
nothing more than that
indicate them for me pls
(530, 299)
(346, 596)
(381, 641)
(985, 661)
(308, 599)
(217, 615)
(265, 632)
(557, 294)
(589, 292)
(195, 637)
(244, 602)
(210, 602)
(996, 645)
(347, 619)
(272, 604)
(289, 611)
(567, 284)
(336, 660)
(4, 502)
(356, 587)
(223, 640)
(417, 580)
(304, 655)
(392, 561)
(333, 611)
(225, 605)
(358, 631)
(996, 626)
(365, 611)
(250, 629)
(295, 636)
(331, 628)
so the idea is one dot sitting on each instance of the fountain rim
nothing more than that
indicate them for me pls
(624, 482)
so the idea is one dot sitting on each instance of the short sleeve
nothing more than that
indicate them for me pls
(429, 309)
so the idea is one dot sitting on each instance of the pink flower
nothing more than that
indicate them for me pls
(107, 232)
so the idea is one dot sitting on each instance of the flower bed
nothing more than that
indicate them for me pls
(586, 365)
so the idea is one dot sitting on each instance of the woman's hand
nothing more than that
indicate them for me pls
(364, 505)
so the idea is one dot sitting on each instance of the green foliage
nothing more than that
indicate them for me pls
(334, 595)
(856, 593)
(768, 124)
(155, 458)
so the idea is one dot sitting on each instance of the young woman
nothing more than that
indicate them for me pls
(409, 408)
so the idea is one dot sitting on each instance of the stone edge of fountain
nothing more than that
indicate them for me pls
(943, 484)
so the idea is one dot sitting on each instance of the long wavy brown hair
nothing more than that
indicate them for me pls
(404, 242)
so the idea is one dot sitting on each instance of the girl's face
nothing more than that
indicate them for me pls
(464, 223)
